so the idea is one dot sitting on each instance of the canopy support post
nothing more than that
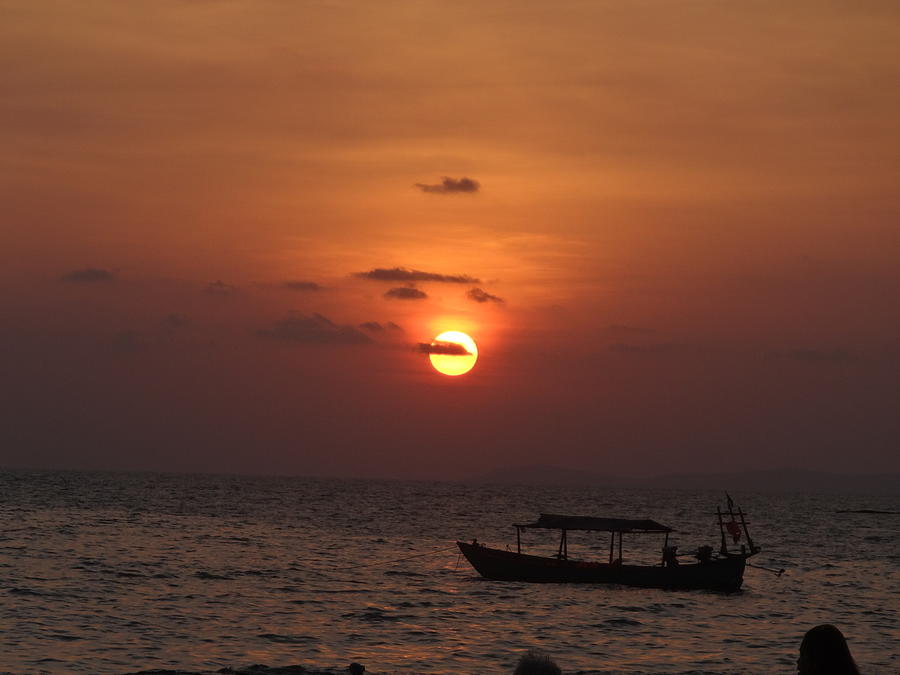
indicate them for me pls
(612, 544)
(518, 539)
(563, 553)
(620, 547)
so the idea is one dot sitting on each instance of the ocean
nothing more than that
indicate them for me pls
(122, 572)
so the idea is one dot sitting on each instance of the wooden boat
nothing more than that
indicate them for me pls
(723, 571)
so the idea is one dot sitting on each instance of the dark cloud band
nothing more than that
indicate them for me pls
(451, 186)
(302, 286)
(444, 348)
(88, 275)
(404, 274)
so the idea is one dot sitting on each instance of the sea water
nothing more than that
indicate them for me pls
(121, 572)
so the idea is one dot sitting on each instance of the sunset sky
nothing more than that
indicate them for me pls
(672, 228)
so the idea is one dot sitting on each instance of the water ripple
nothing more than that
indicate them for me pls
(111, 573)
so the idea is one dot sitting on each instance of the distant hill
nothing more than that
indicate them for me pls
(769, 480)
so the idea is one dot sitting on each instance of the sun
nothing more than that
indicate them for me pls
(457, 355)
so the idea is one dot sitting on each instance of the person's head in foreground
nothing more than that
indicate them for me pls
(534, 662)
(824, 651)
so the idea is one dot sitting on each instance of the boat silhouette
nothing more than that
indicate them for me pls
(718, 571)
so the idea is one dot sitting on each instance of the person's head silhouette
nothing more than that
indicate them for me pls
(534, 662)
(824, 651)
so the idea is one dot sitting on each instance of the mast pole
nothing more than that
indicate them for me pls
(724, 549)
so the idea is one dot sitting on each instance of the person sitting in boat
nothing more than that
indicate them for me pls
(704, 554)
(824, 651)
(670, 556)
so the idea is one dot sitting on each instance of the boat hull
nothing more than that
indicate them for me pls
(724, 574)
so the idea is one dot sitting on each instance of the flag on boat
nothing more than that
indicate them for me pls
(734, 530)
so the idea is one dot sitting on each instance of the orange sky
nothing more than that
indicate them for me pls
(687, 220)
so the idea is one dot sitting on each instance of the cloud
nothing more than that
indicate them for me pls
(128, 342)
(375, 327)
(403, 274)
(451, 186)
(302, 286)
(625, 329)
(446, 348)
(88, 275)
(175, 321)
(221, 288)
(479, 295)
(814, 355)
(406, 293)
(657, 348)
(313, 329)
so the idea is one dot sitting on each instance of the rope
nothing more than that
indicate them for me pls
(777, 573)
(396, 560)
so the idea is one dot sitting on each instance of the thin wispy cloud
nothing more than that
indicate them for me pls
(313, 329)
(88, 275)
(450, 185)
(478, 295)
(380, 328)
(627, 329)
(405, 274)
(302, 286)
(175, 321)
(806, 355)
(220, 288)
(127, 342)
(654, 348)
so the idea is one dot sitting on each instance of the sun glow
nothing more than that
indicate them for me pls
(459, 356)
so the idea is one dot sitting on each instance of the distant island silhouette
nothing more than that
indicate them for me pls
(875, 512)
(767, 480)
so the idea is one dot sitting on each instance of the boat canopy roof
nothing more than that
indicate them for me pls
(550, 521)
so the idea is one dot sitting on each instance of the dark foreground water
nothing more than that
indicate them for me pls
(113, 573)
